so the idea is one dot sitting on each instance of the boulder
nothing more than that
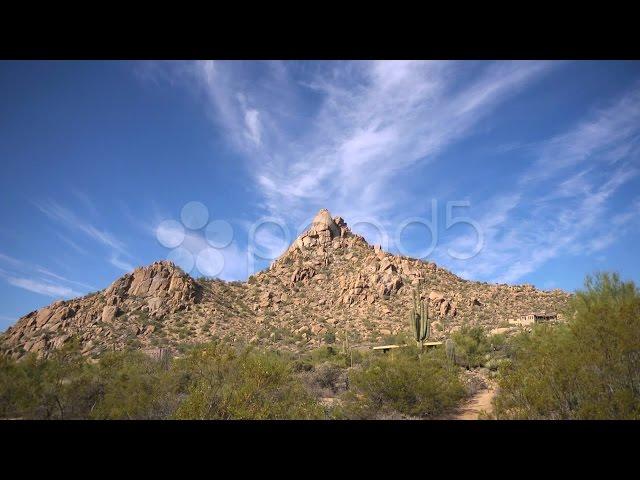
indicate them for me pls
(109, 313)
(436, 297)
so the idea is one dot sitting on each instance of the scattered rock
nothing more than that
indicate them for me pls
(330, 279)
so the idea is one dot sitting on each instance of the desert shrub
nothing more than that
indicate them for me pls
(327, 353)
(222, 383)
(121, 385)
(334, 354)
(399, 338)
(132, 386)
(19, 387)
(323, 380)
(588, 368)
(61, 387)
(329, 337)
(471, 346)
(402, 382)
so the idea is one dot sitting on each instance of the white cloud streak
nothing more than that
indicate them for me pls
(117, 262)
(565, 211)
(374, 120)
(73, 222)
(43, 288)
(38, 279)
(51, 274)
(66, 217)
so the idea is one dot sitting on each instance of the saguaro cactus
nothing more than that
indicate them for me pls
(419, 320)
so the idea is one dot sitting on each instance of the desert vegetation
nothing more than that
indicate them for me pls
(585, 368)
(220, 381)
(588, 368)
(404, 384)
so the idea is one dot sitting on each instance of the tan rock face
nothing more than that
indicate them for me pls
(153, 291)
(109, 313)
(436, 298)
(159, 280)
(329, 281)
(301, 274)
(322, 231)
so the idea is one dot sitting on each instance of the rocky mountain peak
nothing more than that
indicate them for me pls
(325, 234)
(322, 231)
(323, 221)
(150, 292)
(162, 285)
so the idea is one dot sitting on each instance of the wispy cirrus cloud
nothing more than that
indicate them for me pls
(116, 261)
(51, 274)
(38, 279)
(43, 288)
(10, 260)
(6, 318)
(68, 218)
(372, 120)
(74, 223)
(72, 244)
(610, 134)
(563, 200)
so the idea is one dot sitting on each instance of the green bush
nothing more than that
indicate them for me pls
(586, 369)
(334, 354)
(218, 381)
(329, 337)
(132, 386)
(471, 346)
(324, 380)
(19, 387)
(400, 338)
(62, 387)
(122, 385)
(402, 382)
(222, 383)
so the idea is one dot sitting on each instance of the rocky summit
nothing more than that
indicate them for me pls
(328, 287)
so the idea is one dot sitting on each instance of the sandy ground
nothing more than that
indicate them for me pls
(477, 404)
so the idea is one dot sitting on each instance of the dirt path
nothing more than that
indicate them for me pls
(480, 402)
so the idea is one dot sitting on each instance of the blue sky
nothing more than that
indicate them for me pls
(102, 163)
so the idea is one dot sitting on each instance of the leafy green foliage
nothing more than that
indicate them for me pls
(19, 386)
(222, 383)
(402, 382)
(586, 369)
(211, 381)
(59, 388)
(471, 346)
(132, 385)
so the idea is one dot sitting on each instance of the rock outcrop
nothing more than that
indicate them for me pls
(322, 231)
(147, 293)
(161, 287)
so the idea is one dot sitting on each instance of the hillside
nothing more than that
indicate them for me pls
(330, 284)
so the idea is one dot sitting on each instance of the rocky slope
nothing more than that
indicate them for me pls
(330, 285)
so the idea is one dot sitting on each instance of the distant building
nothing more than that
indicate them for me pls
(534, 318)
